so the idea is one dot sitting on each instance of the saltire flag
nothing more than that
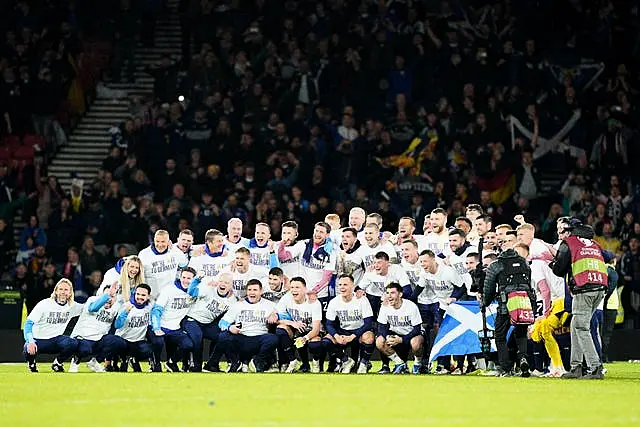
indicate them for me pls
(502, 185)
(458, 334)
(548, 143)
(583, 76)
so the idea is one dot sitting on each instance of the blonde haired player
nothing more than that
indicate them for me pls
(45, 326)
(131, 275)
(538, 249)
(550, 313)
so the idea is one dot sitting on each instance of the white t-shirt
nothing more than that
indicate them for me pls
(350, 314)
(439, 286)
(413, 272)
(211, 265)
(240, 280)
(135, 327)
(253, 317)
(209, 304)
(271, 295)
(313, 270)
(176, 304)
(50, 319)
(110, 276)
(233, 247)
(540, 271)
(291, 267)
(370, 253)
(160, 269)
(459, 264)
(400, 320)
(539, 249)
(260, 259)
(438, 244)
(353, 263)
(375, 284)
(305, 312)
(94, 325)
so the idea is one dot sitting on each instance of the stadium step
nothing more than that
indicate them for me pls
(90, 141)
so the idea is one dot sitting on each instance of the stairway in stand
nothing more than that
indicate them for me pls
(90, 141)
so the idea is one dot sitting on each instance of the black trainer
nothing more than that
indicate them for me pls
(124, 366)
(32, 366)
(574, 373)
(305, 368)
(594, 374)
(524, 367)
(172, 366)
(135, 365)
(57, 366)
(211, 367)
(155, 367)
(384, 370)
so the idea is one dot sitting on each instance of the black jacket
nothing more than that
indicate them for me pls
(561, 264)
(492, 287)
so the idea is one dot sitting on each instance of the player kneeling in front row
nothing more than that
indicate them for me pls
(399, 326)
(44, 328)
(300, 319)
(170, 308)
(129, 341)
(354, 327)
(245, 327)
(94, 323)
(213, 299)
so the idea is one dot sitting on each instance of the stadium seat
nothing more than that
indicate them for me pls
(5, 154)
(31, 139)
(24, 153)
(11, 141)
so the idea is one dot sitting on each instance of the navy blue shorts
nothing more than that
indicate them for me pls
(431, 314)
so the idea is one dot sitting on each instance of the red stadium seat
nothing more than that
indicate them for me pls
(5, 155)
(25, 152)
(30, 140)
(11, 141)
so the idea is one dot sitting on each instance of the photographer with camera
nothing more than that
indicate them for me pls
(509, 280)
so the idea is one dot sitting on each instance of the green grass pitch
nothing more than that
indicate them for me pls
(306, 400)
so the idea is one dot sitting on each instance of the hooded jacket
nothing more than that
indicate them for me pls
(492, 286)
(561, 264)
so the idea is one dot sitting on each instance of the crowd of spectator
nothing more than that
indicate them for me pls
(292, 110)
(46, 78)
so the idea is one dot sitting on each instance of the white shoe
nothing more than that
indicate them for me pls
(362, 368)
(244, 368)
(293, 366)
(537, 373)
(73, 366)
(315, 366)
(555, 373)
(348, 366)
(456, 371)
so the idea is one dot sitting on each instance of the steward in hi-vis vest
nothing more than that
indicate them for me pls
(579, 259)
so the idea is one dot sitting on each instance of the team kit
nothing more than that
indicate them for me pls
(322, 304)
